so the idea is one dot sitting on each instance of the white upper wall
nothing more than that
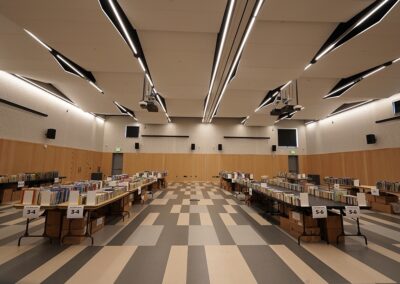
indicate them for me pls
(75, 128)
(347, 131)
(205, 136)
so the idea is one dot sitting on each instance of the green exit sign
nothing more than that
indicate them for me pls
(117, 149)
(293, 152)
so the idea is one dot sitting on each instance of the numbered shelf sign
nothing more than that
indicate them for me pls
(352, 211)
(31, 211)
(319, 212)
(75, 212)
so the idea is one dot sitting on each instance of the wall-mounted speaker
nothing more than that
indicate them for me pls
(137, 146)
(193, 147)
(51, 133)
(219, 147)
(371, 139)
(273, 148)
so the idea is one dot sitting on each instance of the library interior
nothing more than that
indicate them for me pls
(187, 141)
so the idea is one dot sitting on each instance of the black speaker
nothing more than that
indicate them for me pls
(193, 147)
(219, 147)
(137, 146)
(51, 133)
(273, 148)
(371, 139)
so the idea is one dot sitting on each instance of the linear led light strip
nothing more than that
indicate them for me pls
(330, 47)
(26, 80)
(121, 23)
(341, 88)
(221, 46)
(125, 110)
(352, 107)
(43, 89)
(244, 120)
(273, 96)
(64, 60)
(163, 107)
(80, 74)
(235, 62)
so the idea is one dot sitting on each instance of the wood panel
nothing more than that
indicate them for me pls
(20, 157)
(202, 167)
(368, 166)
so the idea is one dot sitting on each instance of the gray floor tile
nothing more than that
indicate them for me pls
(145, 236)
(202, 235)
(245, 235)
(198, 209)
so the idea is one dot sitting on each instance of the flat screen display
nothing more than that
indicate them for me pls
(287, 137)
(396, 107)
(132, 132)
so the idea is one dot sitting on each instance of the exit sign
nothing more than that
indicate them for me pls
(293, 152)
(117, 149)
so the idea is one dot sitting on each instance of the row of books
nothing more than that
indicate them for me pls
(293, 176)
(235, 175)
(388, 186)
(349, 199)
(106, 193)
(286, 197)
(339, 180)
(156, 174)
(57, 193)
(29, 177)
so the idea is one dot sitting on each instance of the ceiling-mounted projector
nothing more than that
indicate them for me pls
(149, 105)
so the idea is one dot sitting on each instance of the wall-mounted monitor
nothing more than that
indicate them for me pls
(396, 107)
(287, 137)
(132, 132)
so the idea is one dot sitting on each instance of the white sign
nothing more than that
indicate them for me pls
(21, 184)
(91, 198)
(56, 180)
(159, 176)
(30, 212)
(250, 191)
(336, 186)
(108, 179)
(139, 191)
(375, 191)
(75, 212)
(361, 200)
(251, 176)
(319, 212)
(45, 197)
(229, 176)
(352, 211)
(356, 182)
(304, 199)
(73, 197)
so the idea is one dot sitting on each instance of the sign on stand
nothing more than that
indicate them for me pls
(56, 180)
(250, 191)
(75, 212)
(31, 211)
(352, 211)
(21, 183)
(375, 191)
(319, 212)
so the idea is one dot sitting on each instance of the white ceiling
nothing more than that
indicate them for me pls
(179, 39)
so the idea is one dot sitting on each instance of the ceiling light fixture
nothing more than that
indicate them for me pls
(38, 40)
(121, 23)
(371, 13)
(235, 62)
(329, 48)
(141, 64)
(96, 87)
(373, 72)
(287, 84)
(221, 46)
(308, 66)
(149, 79)
(244, 120)
(43, 89)
(119, 106)
(341, 88)
(352, 107)
(396, 60)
